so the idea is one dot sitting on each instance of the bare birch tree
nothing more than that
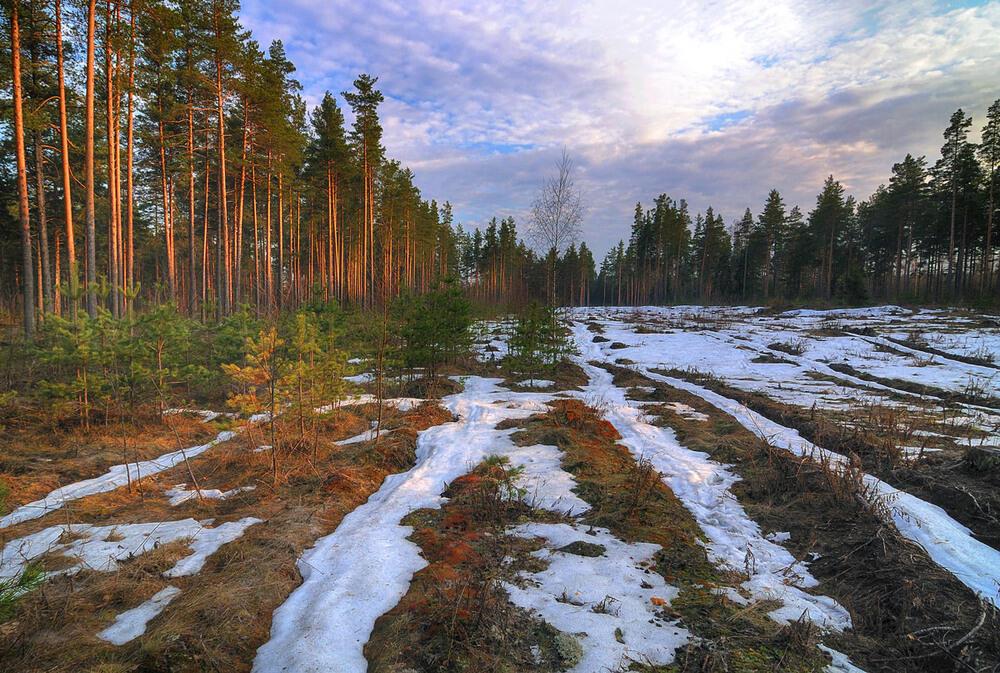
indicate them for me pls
(556, 214)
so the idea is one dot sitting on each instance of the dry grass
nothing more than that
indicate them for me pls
(456, 615)
(897, 596)
(223, 613)
(36, 458)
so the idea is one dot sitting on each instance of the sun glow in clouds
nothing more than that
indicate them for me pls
(683, 97)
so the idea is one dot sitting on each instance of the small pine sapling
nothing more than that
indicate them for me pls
(257, 384)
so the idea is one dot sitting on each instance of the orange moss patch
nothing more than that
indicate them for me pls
(455, 615)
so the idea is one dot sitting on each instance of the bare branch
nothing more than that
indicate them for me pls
(557, 210)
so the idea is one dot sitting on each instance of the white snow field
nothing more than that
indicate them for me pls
(949, 543)
(361, 570)
(730, 342)
(702, 485)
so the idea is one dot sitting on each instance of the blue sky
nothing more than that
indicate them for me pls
(716, 102)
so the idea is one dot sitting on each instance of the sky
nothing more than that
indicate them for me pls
(716, 102)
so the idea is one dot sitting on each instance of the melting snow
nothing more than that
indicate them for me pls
(948, 542)
(131, 624)
(703, 486)
(534, 383)
(686, 411)
(365, 436)
(840, 662)
(545, 483)
(364, 377)
(102, 548)
(179, 494)
(115, 477)
(362, 569)
(611, 602)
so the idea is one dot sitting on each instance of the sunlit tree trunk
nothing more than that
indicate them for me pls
(24, 216)
(192, 271)
(168, 229)
(91, 244)
(240, 200)
(279, 281)
(57, 295)
(129, 169)
(112, 133)
(223, 290)
(204, 242)
(268, 246)
(66, 176)
(256, 235)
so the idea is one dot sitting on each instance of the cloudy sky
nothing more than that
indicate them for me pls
(715, 102)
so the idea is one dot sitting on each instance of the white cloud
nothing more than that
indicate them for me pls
(711, 101)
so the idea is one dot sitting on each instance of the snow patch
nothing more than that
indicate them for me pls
(179, 494)
(131, 624)
(546, 485)
(686, 411)
(116, 477)
(610, 603)
(102, 548)
(364, 377)
(365, 436)
(840, 663)
(534, 383)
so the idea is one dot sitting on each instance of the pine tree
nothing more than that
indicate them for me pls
(771, 225)
(827, 221)
(257, 383)
(742, 232)
(28, 277)
(327, 157)
(366, 141)
(989, 154)
(908, 194)
(948, 172)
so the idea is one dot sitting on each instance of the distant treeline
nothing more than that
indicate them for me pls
(925, 237)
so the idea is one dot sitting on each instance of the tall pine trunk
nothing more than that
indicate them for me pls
(112, 133)
(192, 270)
(73, 273)
(43, 225)
(222, 291)
(24, 217)
(129, 270)
(91, 230)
